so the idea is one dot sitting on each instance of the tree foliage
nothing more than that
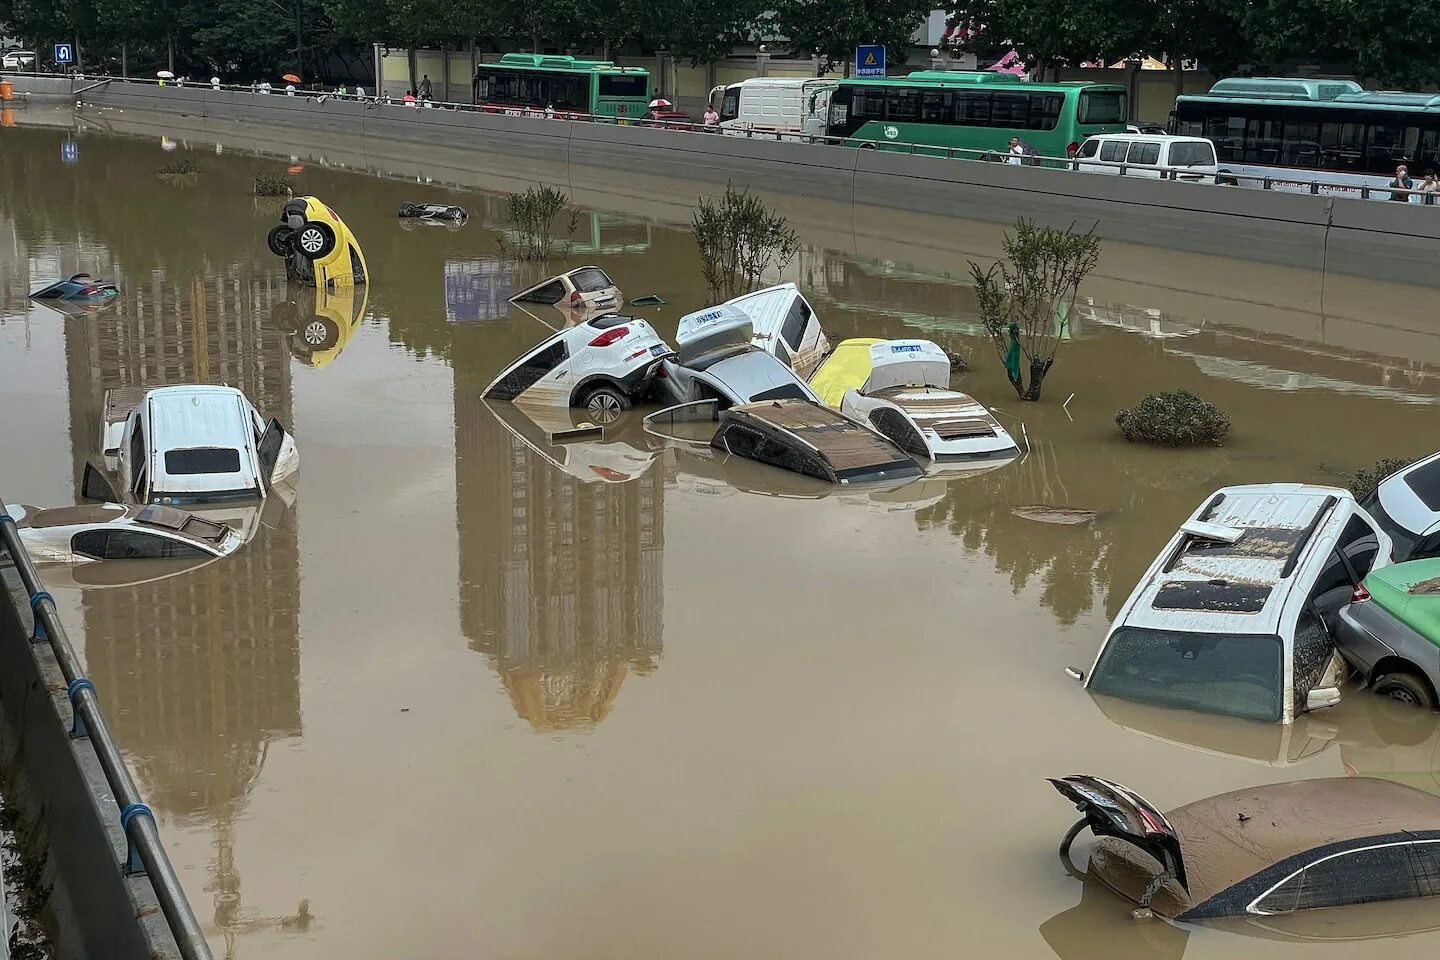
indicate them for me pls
(836, 27)
(740, 238)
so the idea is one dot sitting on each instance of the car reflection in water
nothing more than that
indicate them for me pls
(318, 321)
(591, 456)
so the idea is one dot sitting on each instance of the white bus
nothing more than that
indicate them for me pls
(775, 107)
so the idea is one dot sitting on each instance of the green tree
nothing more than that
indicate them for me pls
(1049, 33)
(836, 27)
(704, 31)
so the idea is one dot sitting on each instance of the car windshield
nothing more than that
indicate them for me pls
(591, 280)
(1404, 541)
(1233, 674)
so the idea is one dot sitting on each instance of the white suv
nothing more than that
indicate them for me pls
(1233, 616)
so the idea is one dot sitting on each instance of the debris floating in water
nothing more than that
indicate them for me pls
(649, 301)
(1049, 513)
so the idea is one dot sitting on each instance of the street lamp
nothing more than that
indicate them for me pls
(762, 59)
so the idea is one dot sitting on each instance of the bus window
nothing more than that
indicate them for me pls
(1102, 106)
(934, 106)
(1341, 146)
(1045, 110)
(972, 109)
(1010, 110)
(1390, 144)
(1262, 141)
(902, 103)
(625, 86)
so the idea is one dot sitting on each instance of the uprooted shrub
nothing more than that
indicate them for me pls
(1174, 419)
(1363, 481)
(272, 185)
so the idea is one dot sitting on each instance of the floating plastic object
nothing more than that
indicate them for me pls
(650, 301)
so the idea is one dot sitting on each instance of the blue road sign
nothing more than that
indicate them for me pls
(69, 151)
(870, 60)
(64, 54)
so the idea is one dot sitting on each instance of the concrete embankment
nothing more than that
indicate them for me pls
(1372, 239)
(66, 816)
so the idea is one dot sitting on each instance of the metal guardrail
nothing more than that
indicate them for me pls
(144, 852)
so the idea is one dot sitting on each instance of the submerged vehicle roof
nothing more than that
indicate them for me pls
(1411, 591)
(852, 451)
(1237, 587)
(870, 363)
(198, 416)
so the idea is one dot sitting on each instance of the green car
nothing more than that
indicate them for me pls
(1390, 631)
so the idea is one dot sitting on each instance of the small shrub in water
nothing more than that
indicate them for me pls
(1362, 482)
(1175, 419)
(532, 223)
(178, 167)
(739, 238)
(272, 185)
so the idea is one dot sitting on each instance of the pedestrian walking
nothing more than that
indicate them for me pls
(214, 83)
(1402, 181)
(711, 118)
(359, 92)
(425, 88)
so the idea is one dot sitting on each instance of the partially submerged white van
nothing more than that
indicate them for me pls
(1148, 155)
(775, 107)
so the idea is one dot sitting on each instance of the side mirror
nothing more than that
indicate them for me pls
(1321, 697)
(95, 486)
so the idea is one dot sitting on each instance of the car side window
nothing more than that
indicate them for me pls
(741, 441)
(1363, 876)
(549, 293)
(793, 329)
(1145, 153)
(135, 545)
(90, 543)
(137, 460)
(1089, 148)
(1114, 150)
(1359, 545)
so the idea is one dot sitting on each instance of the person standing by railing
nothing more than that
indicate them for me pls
(1401, 182)
(711, 118)
(1429, 186)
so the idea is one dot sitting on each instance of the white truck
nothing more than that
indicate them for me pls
(775, 108)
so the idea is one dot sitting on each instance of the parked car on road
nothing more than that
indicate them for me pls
(19, 60)
(190, 444)
(113, 531)
(901, 389)
(1233, 617)
(1262, 851)
(1406, 504)
(603, 364)
(1390, 632)
(1148, 155)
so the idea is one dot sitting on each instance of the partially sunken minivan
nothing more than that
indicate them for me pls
(1233, 616)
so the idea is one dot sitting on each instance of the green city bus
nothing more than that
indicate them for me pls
(526, 84)
(974, 111)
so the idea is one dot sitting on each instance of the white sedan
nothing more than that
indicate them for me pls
(111, 531)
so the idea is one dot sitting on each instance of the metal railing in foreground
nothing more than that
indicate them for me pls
(145, 853)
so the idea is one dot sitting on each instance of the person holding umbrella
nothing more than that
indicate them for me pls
(290, 81)
(165, 75)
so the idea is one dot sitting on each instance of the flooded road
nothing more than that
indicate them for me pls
(474, 695)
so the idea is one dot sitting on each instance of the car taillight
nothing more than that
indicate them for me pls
(1072, 149)
(1360, 595)
(575, 297)
(613, 335)
(660, 373)
(89, 291)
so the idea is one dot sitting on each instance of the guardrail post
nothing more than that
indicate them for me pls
(1314, 187)
(1265, 183)
(39, 634)
(133, 865)
(78, 730)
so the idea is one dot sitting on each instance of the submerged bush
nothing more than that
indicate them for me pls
(178, 167)
(272, 185)
(1174, 419)
(1362, 482)
(532, 223)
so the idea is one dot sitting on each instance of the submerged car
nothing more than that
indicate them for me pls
(1262, 851)
(113, 531)
(1406, 504)
(717, 360)
(433, 212)
(584, 287)
(601, 365)
(1233, 616)
(1390, 632)
(901, 388)
(318, 248)
(189, 444)
(79, 287)
(785, 326)
(811, 439)
(579, 450)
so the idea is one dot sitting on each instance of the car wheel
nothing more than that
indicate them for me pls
(314, 240)
(455, 213)
(1407, 688)
(606, 404)
(319, 334)
(280, 240)
(407, 210)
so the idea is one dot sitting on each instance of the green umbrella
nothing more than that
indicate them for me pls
(1012, 355)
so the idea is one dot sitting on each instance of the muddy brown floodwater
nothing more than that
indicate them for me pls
(477, 697)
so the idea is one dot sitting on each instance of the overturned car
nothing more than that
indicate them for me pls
(318, 248)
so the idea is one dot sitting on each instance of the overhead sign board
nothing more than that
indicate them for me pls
(870, 60)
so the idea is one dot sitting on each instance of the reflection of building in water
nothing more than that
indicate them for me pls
(561, 582)
(200, 671)
(477, 290)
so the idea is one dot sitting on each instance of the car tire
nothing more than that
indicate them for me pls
(606, 404)
(455, 213)
(319, 334)
(281, 240)
(1407, 688)
(314, 240)
(407, 210)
